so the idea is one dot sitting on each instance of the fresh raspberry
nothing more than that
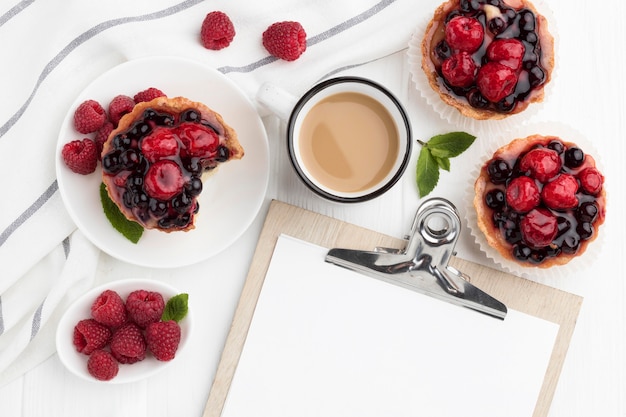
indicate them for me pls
(199, 140)
(522, 194)
(509, 52)
(542, 164)
(90, 335)
(591, 180)
(102, 135)
(459, 70)
(102, 365)
(148, 95)
(164, 180)
(81, 156)
(163, 338)
(560, 193)
(108, 309)
(89, 117)
(285, 40)
(217, 31)
(128, 344)
(464, 34)
(119, 106)
(145, 307)
(539, 227)
(159, 144)
(495, 81)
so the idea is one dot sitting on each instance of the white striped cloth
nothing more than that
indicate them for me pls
(51, 49)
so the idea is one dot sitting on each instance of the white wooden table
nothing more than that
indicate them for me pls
(589, 94)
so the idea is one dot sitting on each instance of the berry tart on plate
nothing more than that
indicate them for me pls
(153, 163)
(540, 201)
(489, 59)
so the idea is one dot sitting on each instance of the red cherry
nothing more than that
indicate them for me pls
(495, 81)
(522, 194)
(464, 34)
(542, 163)
(164, 180)
(539, 228)
(159, 144)
(459, 70)
(199, 140)
(591, 180)
(509, 52)
(560, 194)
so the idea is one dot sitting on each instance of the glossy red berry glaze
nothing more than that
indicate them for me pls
(496, 81)
(464, 34)
(459, 69)
(538, 201)
(509, 52)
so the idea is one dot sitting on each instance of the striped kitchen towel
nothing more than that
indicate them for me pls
(52, 49)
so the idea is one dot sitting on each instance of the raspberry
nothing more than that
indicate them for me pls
(539, 227)
(108, 309)
(561, 193)
(145, 307)
(495, 81)
(102, 135)
(102, 366)
(159, 144)
(509, 52)
(128, 344)
(148, 95)
(542, 164)
(119, 106)
(459, 70)
(217, 31)
(163, 338)
(89, 117)
(81, 156)
(285, 40)
(522, 194)
(199, 141)
(164, 180)
(591, 180)
(464, 34)
(89, 335)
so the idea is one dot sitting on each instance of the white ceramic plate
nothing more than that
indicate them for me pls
(76, 362)
(230, 199)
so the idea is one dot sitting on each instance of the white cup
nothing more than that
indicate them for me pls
(349, 138)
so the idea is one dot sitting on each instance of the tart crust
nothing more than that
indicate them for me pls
(483, 184)
(173, 106)
(435, 32)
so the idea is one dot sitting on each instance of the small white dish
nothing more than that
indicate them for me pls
(230, 200)
(76, 362)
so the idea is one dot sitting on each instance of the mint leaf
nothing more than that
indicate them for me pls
(450, 144)
(131, 230)
(427, 172)
(444, 163)
(176, 308)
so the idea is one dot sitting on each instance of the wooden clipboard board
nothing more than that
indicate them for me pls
(517, 293)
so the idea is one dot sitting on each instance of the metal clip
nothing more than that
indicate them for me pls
(423, 265)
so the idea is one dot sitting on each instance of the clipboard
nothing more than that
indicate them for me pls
(538, 300)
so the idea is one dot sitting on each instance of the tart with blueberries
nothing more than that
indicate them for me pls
(540, 201)
(488, 58)
(154, 162)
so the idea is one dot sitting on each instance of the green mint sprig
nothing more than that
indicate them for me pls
(176, 308)
(435, 155)
(131, 230)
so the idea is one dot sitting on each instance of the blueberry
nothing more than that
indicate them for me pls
(495, 199)
(557, 146)
(506, 104)
(477, 100)
(563, 225)
(499, 171)
(527, 21)
(157, 208)
(129, 158)
(522, 252)
(587, 212)
(574, 157)
(134, 182)
(182, 220)
(497, 25)
(222, 154)
(513, 235)
(584, 230)
(570, 244)
(111, 162)
(181, 203)
(443, 50)
(141, 200)
(194, 187)
(190, 115)
(122, 142)
(127, 199)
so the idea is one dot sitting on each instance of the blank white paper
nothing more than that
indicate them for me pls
(327, 341)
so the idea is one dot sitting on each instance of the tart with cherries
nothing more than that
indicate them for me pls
(540, 201)
(154, 162)
(488, 58)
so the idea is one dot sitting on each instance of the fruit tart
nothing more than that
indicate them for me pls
(488, 58)
(154, 162)
(540, 201)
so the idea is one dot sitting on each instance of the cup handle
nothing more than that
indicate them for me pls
(277, 100)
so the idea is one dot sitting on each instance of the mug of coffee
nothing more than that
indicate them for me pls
(348, 138)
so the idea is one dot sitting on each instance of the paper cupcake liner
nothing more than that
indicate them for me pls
(479, 128)
(580, 263)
